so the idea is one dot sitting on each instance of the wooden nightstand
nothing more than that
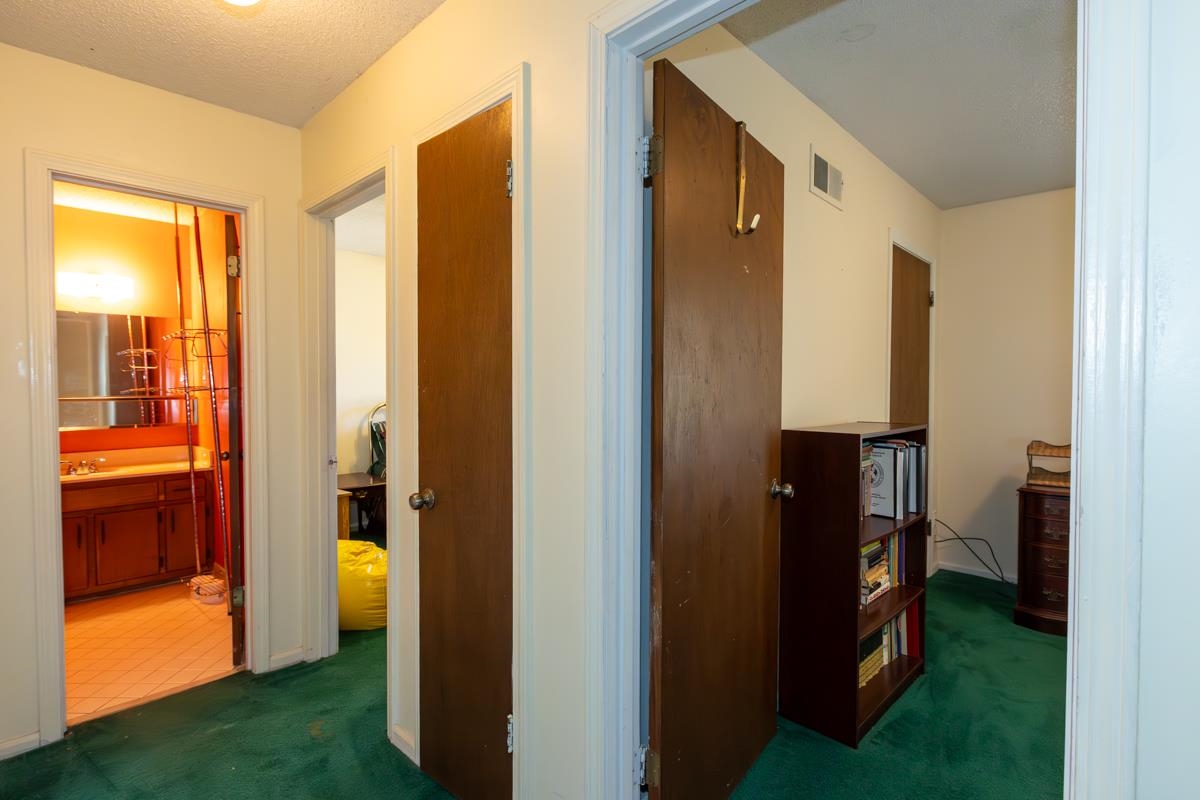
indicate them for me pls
(1044, 554)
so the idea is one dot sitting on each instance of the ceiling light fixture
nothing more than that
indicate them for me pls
(242, 3)
(104, 287)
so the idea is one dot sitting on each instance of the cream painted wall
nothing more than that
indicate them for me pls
(835, 275)
(65, 109)
(1005, 304)
(468, 44)
(360, 300)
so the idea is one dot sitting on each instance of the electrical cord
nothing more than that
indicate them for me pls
(998, 572)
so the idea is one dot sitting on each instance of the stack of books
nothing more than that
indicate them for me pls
(870, 657)
(901, 471)
(875, 571)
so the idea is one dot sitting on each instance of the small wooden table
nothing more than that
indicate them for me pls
(369, 492)
(343, 501)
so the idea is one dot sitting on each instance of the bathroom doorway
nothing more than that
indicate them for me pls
(148, 305)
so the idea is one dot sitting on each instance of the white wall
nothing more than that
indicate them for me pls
(65, 109)
(836, 262)
(1003, 373)
(361, 352)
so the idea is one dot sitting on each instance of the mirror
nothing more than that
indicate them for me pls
(111, 372)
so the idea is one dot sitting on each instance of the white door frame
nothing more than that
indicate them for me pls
(41, 170)
(1100, 733)
(403, 719)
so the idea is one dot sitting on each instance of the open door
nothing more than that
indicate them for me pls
(911, 301)
(464, 376)
(233, 466)
(716, 394)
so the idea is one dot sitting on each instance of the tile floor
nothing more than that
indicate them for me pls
(125, 650)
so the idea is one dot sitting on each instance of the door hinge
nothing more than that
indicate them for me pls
(652, 156)
(931, 299)
(648, 769)
(237, 596)
(508, 179)
(233, 267)
(510, 736)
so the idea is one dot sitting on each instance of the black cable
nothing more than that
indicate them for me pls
(964, 540)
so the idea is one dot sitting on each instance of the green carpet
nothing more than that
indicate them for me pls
(984, 723)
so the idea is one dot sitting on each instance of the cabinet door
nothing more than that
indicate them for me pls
(179, 527)
(127, 545)
(76, 532)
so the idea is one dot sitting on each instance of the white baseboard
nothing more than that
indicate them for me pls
(968, 569)
(405, 741)
(19, 744)
(285, 659)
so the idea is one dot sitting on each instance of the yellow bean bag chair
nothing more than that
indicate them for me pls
(362, 585)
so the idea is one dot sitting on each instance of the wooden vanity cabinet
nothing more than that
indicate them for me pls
(122, 534)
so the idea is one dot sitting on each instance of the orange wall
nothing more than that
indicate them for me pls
(95, 242)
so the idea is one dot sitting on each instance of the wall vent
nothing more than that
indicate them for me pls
(825, 180)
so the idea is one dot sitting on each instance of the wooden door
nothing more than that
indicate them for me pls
(126, 545)
(234, 485)
(717, 341)
(179, 533)
(464, 373)
(76, 533)
(910, 338)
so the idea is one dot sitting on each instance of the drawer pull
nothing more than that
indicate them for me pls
(103, 532)
(1053, 563)
(1052, 595)
(78, 536)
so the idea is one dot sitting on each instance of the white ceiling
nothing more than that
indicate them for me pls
(282, 59)
(362, 229)
(968, 100)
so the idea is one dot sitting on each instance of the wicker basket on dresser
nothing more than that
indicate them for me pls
(1044, 553)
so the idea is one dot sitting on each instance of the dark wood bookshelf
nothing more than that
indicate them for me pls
(822, 621)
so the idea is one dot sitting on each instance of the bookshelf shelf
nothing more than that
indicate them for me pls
(877, 614)
(874, 528)
(884, 689)
(824, 630)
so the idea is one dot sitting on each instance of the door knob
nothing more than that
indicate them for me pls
(422, 499)
(784, 489)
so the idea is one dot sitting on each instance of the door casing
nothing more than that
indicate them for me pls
(41, 170)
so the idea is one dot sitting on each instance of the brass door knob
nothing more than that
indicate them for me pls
(781, 489)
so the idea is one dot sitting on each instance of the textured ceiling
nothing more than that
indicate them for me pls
(282, 59)
(967, 100)
(362, 229)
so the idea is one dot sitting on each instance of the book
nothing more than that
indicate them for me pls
(885, 501)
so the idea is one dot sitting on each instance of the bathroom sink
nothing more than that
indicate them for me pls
(135, 463)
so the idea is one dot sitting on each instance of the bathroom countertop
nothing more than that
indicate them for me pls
(131, 471)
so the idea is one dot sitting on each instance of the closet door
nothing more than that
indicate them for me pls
(716, 389)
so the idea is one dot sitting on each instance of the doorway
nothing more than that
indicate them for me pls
(149, 332)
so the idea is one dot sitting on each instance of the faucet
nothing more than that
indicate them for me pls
(70, 467)
(91, 467)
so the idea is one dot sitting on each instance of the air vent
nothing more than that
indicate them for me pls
(825, 180)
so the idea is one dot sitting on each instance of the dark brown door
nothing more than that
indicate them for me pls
(179, 527)
(464, 374)
(75, 554)
(127, 545)
(717, 340)
(910, 338)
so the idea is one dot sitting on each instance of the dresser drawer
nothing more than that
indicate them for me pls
(1046, 558)
(1050, 506)
(122, 494)
(181, 488)
(1048, 531)
(1048, 592)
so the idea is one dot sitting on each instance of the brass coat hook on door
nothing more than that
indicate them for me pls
(739, 229)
